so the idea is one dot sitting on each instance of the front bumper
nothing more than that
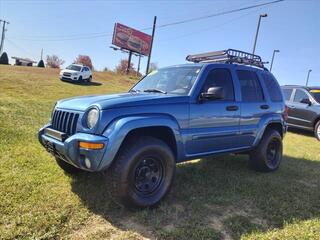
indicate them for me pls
(70, 152)
(67, 78)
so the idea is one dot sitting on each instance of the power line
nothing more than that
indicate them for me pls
(214, 26)
(96, 34)
(62, 36)
(63, 39)
(20, 48)
(105, 34)
(218, 14)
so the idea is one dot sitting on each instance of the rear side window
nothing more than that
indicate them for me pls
(251, 90)
(220, 77)
(287, 93)
(272, 87)
(300, 95)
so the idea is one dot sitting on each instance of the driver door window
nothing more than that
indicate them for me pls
(299, 96)
(220, 77)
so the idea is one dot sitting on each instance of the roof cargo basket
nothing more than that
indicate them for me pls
(228, 56)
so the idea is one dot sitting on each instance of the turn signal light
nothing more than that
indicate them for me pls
(89, 145)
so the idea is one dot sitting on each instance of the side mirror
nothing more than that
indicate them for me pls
(306, 101)
(213, 93)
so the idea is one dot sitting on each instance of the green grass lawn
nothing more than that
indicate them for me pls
(217, 198)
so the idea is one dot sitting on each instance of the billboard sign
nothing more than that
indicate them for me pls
(131, 39)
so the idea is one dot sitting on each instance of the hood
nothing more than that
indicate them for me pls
(119, 100)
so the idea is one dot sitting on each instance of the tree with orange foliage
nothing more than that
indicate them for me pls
(84, 60)
(122, 67)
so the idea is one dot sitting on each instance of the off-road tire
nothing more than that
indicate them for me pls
(68, 168)
(267, 156)
(134, 166)
(317, 130)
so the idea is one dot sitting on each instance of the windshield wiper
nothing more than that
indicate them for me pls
(134, 90)
(155, 90)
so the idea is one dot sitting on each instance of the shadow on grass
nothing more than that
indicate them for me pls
(301, 132)
(83, 83)
(216, 198)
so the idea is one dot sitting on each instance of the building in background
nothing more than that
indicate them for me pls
(23, 61)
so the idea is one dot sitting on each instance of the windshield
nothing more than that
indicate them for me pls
(173, 80)
(74, 68)
(316, 94)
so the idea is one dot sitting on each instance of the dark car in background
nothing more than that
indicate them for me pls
(303, 107)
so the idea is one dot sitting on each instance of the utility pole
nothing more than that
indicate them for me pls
(310, 70)
(152, 37)
(257, 32)
(274, 52)
(3, 34)
(41, 53)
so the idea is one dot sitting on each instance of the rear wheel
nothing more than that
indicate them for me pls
(267, 156)
(68, 168)
(317, 130)
(90, 79)
(142, 173)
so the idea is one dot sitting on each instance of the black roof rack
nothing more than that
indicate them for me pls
(228, 56)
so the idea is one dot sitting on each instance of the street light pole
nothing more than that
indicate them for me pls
(257, 32)
(274, 52)
(310, 70)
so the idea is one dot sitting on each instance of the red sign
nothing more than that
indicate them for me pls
(131, 39)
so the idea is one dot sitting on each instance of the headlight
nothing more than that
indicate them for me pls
(92, 117)
(75, 74)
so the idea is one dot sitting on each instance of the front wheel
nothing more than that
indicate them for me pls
(267, 156)
(317, 130)
(142, 173)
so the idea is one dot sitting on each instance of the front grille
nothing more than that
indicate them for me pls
(65, 121)
(67, 74)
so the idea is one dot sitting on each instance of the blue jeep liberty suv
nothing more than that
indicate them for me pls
(224, 102)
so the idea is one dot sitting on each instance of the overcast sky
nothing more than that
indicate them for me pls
(69, 28)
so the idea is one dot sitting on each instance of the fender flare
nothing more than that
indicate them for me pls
(119, 128)
(265, 122)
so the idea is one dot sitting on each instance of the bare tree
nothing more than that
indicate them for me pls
(54, 61)
(122, 67)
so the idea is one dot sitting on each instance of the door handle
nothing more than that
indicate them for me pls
(232, 108)
(265, 106)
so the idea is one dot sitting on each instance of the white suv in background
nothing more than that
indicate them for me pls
(76, 72)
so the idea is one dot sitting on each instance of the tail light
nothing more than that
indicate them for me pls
(285, 113)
